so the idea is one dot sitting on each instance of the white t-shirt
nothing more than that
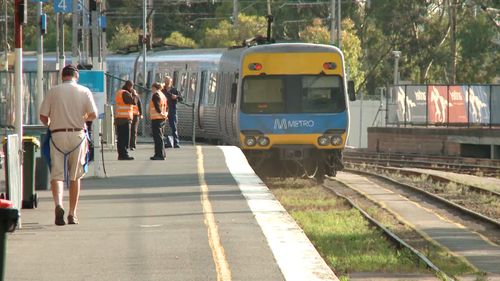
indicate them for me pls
(66, 104)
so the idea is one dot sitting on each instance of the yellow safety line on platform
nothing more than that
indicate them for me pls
(221, 264)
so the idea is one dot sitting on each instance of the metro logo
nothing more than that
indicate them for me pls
(283, 124)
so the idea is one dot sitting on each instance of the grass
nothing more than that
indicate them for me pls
(342, 236)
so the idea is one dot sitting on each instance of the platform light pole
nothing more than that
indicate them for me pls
(396, 54)
(39, 63)
(144, 40)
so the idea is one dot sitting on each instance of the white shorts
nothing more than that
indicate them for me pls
(66, 142)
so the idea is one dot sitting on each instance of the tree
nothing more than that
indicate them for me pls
(177, 39)
(226, 35)
(125, 37)
(316, 33)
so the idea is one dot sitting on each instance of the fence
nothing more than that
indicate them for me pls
(7, 96)
(444, 105)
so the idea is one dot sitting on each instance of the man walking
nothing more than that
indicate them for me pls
(65, 110)
(173, 96)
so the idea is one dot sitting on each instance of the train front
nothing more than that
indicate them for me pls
(294, 115)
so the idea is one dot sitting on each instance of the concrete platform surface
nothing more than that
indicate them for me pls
(201, 214)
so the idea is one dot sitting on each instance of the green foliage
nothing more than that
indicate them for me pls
(315, 33)
(419, 29)
(125, 36)
(177, 39)
(351, 46)
(227, 35)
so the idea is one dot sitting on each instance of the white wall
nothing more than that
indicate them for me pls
(362, 115)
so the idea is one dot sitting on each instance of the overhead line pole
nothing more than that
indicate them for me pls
(39, 64)
(235, 13)
(144, 40)
(339, 20)
(76, 26)
(332, 23)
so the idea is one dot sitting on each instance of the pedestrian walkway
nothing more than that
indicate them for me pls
(480, 252)
(199, 215)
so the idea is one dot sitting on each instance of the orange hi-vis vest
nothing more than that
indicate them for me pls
(122, 110)
(153, 114)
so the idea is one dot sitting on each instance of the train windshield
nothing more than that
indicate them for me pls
(293, 94)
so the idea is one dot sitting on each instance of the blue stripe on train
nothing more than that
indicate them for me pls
(293, 123)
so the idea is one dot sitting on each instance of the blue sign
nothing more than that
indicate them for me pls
(94, 80)
(65, 6)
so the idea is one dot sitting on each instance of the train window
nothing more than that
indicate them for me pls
(182, 83)
(263, 95)
(212, 87)
(292, 94)
(322, 94)
(191, 89)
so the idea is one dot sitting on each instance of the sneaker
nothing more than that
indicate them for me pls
(177, 146)
(59, 215)
(72, 220)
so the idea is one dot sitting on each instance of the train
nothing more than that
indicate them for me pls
(285, 105)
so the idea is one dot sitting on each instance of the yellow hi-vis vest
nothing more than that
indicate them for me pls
(153, 114)
(122, 110)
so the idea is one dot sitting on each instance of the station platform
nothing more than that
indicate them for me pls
(202, 214)
(472, 142)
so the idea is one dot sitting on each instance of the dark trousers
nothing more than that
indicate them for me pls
(172, 122)
(122, 136)
(157, 130)
(133, 131)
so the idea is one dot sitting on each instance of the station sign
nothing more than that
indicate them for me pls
(66, 6)
(95, 81)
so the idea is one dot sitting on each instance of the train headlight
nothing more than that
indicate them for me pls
(336, 140)
(323, 140)
(263, 141)
(250, 141)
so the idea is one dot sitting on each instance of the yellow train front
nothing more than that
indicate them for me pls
(293, 116)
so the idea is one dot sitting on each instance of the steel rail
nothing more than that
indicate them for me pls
(471, 213)
(438, 178)
(391, 235)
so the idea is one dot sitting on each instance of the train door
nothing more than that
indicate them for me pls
(221, 109)
(232, 107)
(201, 99)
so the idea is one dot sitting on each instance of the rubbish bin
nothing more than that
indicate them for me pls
(42, 171)
(30, 198)
(8, 223)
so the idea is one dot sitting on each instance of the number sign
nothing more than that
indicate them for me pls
(65, 6)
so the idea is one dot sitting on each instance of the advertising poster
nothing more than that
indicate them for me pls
(437, 100)
(495, 105)
(478, 104)
(416, 104)
(458, 107)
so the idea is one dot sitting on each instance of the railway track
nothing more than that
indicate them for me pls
(380, 192)
(486, 167)
(399, 242)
